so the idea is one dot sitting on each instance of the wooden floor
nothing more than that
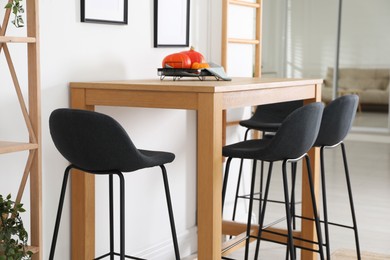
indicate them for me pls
(370, 176)
(345, 254)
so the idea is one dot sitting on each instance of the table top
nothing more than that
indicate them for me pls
(193, 85)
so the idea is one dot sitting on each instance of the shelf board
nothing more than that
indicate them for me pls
(243, 41)
(244, 3)
(14, 39)
(10, 147)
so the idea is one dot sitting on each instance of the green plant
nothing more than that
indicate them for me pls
(13, 236)
(17, 9)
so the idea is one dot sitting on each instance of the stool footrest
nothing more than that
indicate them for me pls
(117, 254)
(298, 245)
(247, 196)
(329, 223)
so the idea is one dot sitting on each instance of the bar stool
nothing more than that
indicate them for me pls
(267, 119)
(97, 144)
(336, 122)
(294, 138)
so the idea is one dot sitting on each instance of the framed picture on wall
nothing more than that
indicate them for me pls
(171, 23)
(104, 11)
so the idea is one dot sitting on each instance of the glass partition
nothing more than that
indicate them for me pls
(302, 40)
(365, 60)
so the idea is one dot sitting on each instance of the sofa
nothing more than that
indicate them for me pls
(372, 86)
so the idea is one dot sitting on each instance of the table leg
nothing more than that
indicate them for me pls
(209, 177)
(308, 227)
(83, 200)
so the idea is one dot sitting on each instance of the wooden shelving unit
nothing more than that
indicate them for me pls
(226, 41)
(239, 240)
(31, 115)
(10, 39)
(11, 147)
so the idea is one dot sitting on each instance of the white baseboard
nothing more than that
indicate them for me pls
(164, 251)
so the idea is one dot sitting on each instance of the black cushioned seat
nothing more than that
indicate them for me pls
(336, 122)
(97, 144)
(295, 137)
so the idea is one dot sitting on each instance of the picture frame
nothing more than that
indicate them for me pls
(171, 23)
(104, 11)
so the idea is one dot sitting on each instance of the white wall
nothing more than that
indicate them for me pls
(75, 51)
(273, 38)
(364, 27)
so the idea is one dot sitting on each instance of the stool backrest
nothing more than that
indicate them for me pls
(337, 120)
(93, 141)
(297, 133)
(276, 112)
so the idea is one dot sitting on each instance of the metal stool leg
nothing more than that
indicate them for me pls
(290, 242)
(292, 202)
(261, 187)
(314, 205)
(351, 201)
(111, 201)
(238, 181)
(293, 180)
(249, 222)
(225, 181)
(324, 203)
(262, 212)
(170, 211)
(59, 212)
(121, 215)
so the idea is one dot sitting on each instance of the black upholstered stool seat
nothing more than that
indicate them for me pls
(156, 158)
(250, 149)
(98, 144)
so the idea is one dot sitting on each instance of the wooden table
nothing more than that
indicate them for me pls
(209, 99)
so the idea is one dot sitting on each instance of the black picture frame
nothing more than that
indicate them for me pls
(171, 23)
(114, 12)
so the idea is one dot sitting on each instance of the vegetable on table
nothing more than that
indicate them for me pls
(190, 59)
